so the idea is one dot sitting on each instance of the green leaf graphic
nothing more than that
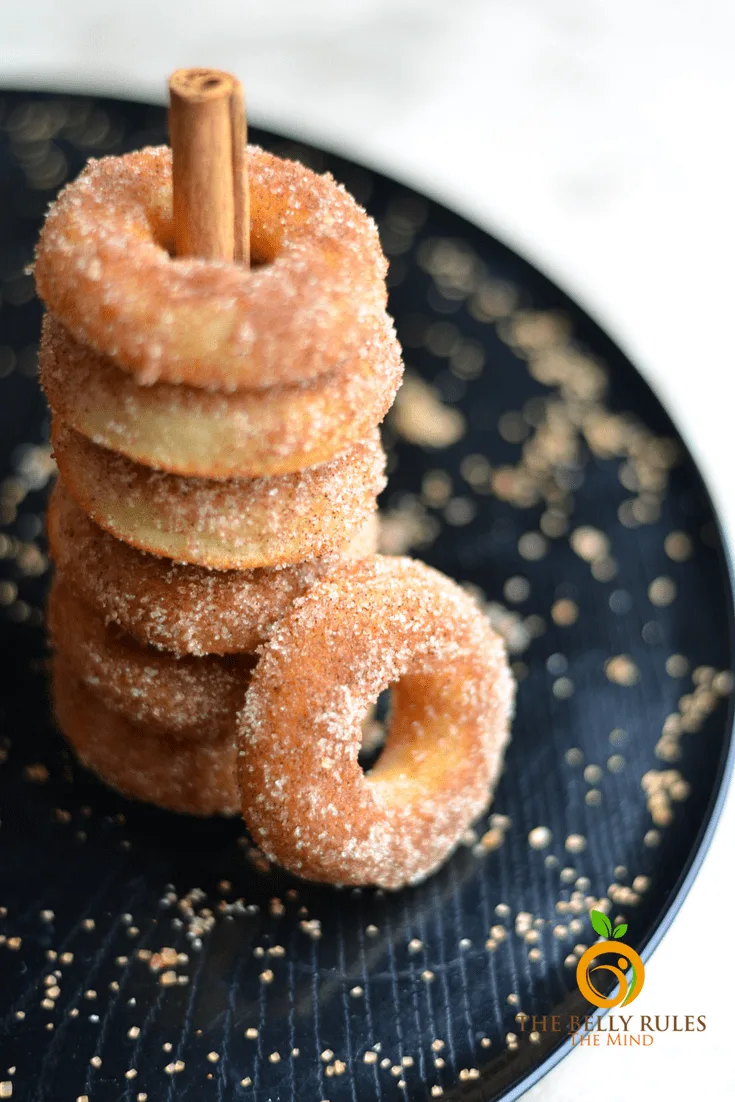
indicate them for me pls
(620, 930)
(601, 924)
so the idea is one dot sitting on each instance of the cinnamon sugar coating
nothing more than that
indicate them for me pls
(371, 625)
(103, 267)
(189, 431)
(185, 698)
(193, 777)
(176, 607)
(236, 524)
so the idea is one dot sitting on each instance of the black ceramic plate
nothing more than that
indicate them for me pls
(547, 476)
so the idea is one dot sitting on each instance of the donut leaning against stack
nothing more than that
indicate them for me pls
(215, 430)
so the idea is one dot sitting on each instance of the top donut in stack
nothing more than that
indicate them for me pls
(205, 412)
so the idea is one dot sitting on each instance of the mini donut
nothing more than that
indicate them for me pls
(379, 623)
(195, 778)
(190, 431)
(226, 525)
(179, 608)
(103, 267)
(185, 698)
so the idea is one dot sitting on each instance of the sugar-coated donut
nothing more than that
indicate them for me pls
(179, 608)
(103, 267)
(226, 525)
(371, 625)
(190, 431)
(185, 698)
(193, 777)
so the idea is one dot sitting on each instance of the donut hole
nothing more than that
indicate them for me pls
(426, 734)
(374, 732)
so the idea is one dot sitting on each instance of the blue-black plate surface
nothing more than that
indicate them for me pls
(561, 492)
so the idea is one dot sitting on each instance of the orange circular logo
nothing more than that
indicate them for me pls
(626, 958)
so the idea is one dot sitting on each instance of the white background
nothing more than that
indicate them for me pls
(594, 135)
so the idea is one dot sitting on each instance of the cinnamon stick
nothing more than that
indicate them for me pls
(208, 133)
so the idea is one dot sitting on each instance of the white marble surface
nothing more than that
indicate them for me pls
(596, 137)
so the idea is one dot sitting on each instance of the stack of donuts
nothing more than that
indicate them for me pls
(221, 623)
(215, 430)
